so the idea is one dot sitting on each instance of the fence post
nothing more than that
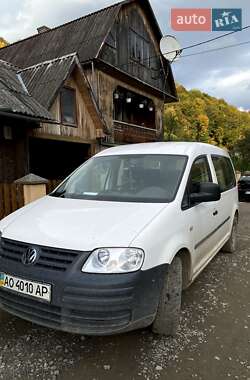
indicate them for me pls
(34, 187)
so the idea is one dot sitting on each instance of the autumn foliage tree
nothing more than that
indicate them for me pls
(242, 155)
(3, 42)
(200, 117)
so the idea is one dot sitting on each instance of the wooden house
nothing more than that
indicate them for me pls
(19, 112)
(101, 78)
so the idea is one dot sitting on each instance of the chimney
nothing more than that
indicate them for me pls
(42, 29)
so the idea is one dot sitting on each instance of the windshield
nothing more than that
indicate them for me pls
(126, 178)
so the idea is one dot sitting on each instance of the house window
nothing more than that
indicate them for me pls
(133, 108)
(68, 106)
(139, 49)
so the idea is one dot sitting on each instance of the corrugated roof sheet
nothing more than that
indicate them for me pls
(44, 79)
(14, 97)
(84, 36)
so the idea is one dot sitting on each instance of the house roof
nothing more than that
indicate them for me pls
(44, 80)
(84, 36)
(14, 96)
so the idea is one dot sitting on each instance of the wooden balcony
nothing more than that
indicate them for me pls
(131, 133)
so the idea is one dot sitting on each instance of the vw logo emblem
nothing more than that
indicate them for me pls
(30, 256)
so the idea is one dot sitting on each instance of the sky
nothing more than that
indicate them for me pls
(224, 74)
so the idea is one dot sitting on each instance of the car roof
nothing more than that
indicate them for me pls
(191, 149)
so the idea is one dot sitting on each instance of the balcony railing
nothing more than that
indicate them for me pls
(131, 133)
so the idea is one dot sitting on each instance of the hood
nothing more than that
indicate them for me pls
(79, 224)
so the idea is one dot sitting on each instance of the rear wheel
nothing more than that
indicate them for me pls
(231, 244)
(168, 314)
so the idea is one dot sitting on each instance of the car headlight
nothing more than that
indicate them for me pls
(114, 260)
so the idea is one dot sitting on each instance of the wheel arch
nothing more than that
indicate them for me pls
(186, 260)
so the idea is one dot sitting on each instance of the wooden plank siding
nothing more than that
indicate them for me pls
(106, 87)
(13, 153)
(85, 131)
(127, 133)
(11, 198)
(118, 50)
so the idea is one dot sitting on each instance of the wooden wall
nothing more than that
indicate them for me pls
(132, 22)
(13, 154)
(85, 131)
(105, 89)
(11, 198)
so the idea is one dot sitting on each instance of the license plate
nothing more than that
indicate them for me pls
(29, 288)
(247, 192)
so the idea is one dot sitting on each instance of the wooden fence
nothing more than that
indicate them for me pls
(11, 196)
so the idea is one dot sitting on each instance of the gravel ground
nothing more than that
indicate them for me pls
(213, 342)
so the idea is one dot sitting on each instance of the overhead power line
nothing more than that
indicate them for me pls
(215, 38)
(216, 49)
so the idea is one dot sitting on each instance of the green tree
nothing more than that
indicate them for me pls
(242, 152)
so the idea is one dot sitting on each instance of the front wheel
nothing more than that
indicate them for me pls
(231, 244)
(168, 314)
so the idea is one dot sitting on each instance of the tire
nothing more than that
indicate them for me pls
(231, 244)
(168, 314)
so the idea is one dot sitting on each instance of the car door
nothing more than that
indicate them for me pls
(202, 217)
(226, 179)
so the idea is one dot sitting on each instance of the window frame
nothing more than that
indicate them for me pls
(111, 39)
(233, 185)
(145, 47)
(187, 190)
(73, 91)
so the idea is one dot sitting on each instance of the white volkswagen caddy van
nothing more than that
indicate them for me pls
(111, 249)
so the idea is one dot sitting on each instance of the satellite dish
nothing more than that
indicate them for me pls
(170, 48)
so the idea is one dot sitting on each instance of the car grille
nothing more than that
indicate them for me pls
(49, 258)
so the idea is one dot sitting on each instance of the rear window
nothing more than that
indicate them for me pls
(245, 178)
(224, 172)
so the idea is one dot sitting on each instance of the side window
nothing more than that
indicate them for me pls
(200, 172)
(224, 172)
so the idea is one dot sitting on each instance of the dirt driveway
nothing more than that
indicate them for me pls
(213, 342)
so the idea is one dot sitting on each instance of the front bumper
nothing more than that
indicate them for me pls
(90, 304)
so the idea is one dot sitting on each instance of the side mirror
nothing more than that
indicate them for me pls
(208, 192)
